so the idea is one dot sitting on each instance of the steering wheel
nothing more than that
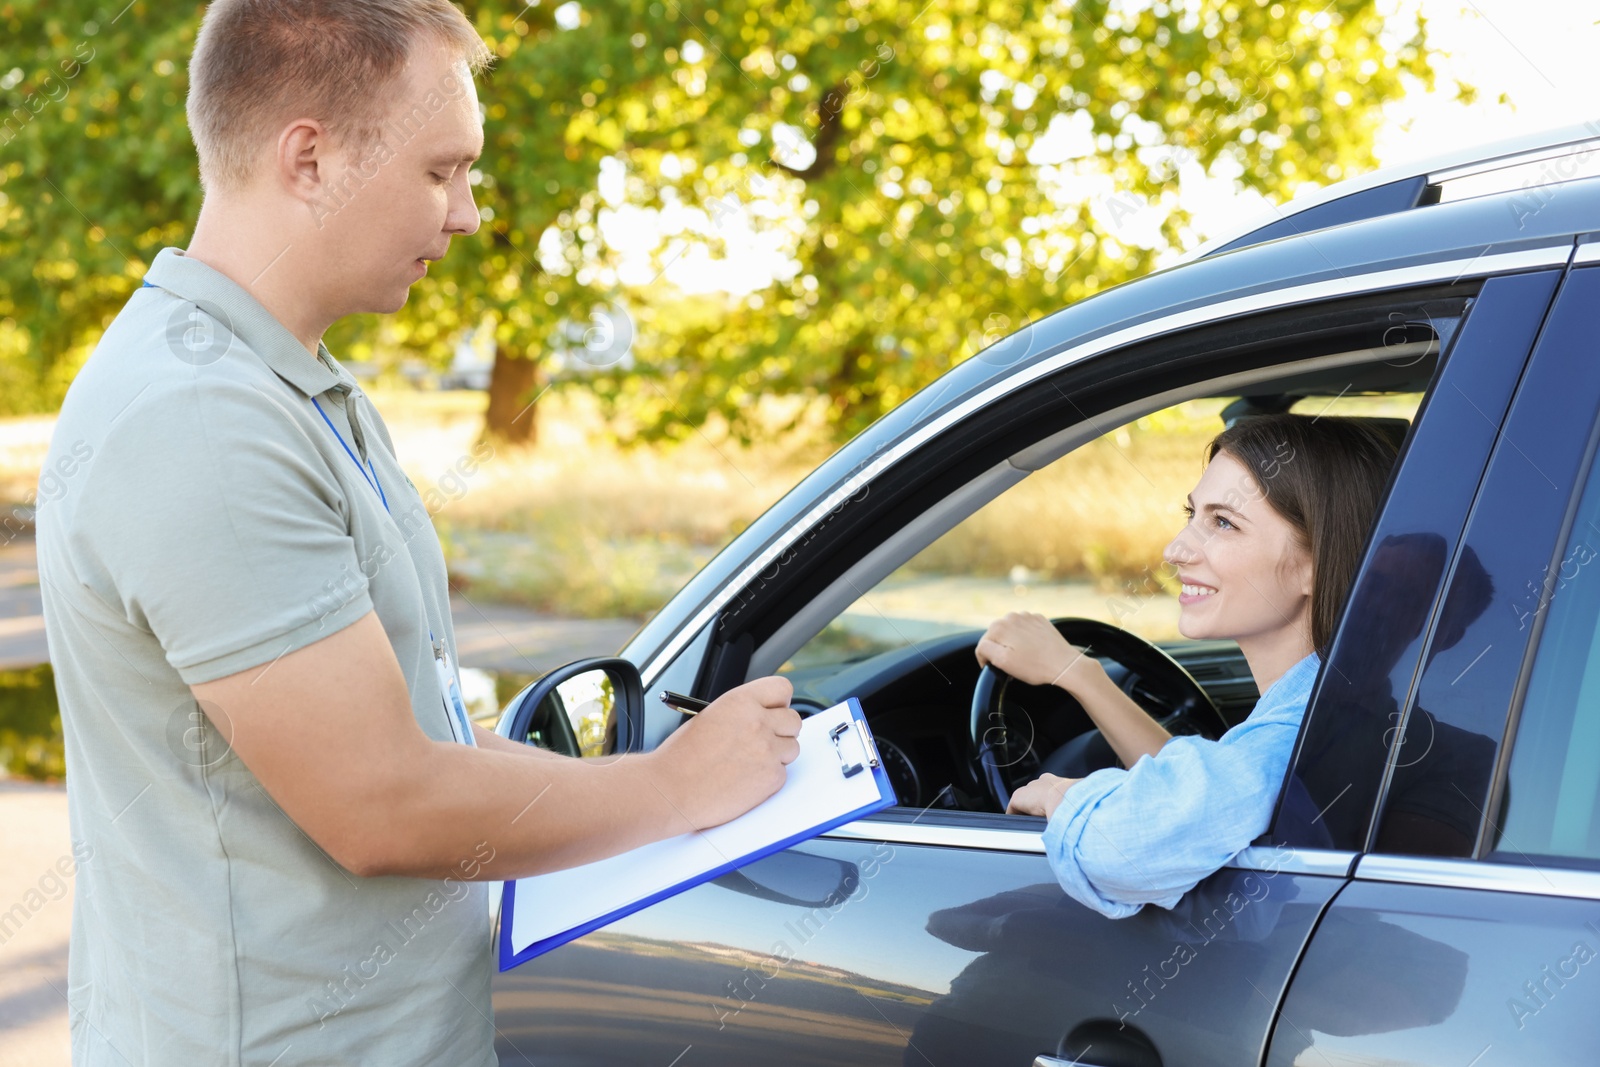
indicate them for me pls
(1003, 751)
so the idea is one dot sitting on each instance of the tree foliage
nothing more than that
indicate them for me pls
(96, 176)
(893, 159)
(929, 223)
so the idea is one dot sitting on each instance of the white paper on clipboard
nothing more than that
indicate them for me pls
(822, 791)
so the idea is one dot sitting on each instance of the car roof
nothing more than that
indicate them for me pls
(1488, 234)
(1418, 183)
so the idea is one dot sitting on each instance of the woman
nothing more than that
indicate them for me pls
(1276, 527)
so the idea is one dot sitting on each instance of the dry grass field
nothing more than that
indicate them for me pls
(581, 526)
(578, 525)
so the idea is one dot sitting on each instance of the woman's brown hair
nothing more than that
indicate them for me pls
(1324, 475)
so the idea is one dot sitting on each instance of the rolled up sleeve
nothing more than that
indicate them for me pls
(1121, 839)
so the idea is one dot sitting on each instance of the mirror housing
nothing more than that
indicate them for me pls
(589, 707)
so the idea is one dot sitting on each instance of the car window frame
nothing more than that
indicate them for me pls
(966, 827)
(1204, 366)
(868, 460)
(995, 836)
(1459, 422)
(1579, 400)
(1556, 380)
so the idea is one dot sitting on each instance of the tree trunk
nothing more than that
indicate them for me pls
(513, 387)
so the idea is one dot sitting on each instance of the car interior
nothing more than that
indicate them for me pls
(898, 626)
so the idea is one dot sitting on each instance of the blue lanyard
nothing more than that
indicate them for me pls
(373, 479)
(451, 697)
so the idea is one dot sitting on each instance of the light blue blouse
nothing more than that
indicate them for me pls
(1122, 839)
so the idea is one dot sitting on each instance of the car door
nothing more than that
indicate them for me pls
(941, 936)
(1471, 931)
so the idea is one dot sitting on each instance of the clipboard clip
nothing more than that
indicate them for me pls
(863, 753)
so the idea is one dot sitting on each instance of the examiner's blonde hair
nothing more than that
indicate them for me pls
(259, 63)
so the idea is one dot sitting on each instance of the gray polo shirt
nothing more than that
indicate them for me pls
(198, 517)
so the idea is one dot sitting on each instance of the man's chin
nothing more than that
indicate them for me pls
(390, 302)
(382, 298)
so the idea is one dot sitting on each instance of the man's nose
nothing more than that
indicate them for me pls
(463, 217)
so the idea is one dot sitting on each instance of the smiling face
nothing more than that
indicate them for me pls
(389, 207)
(1246, 572)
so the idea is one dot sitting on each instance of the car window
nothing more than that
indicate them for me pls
(1082, 537)
(1551, 800)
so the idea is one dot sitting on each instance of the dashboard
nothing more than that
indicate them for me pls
(918, 700)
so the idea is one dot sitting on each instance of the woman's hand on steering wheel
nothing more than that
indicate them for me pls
(1029, 648)
(1001, 750)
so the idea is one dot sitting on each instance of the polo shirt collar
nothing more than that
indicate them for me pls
(228, 302)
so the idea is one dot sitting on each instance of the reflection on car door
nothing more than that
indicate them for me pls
(958, 948)
(1051, 977)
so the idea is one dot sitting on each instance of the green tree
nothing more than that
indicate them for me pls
(903, 143)
(891, 152)
(96, 176)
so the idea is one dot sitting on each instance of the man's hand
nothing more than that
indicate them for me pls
(1026, 646)
(731, 756)
(1041, 796)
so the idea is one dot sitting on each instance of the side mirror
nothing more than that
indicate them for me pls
(591, 707)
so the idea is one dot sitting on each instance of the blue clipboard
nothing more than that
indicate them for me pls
(838, 768)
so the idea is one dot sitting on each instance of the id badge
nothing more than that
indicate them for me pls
(455, 710)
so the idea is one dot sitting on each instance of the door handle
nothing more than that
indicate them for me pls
(1102, 1043)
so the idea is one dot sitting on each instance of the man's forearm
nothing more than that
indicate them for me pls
(330, 733)
(537, 811)
(492, 741)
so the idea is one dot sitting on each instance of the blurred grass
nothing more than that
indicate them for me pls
(579, 525)
(1103, 512)
(1106, 511)
(31, 743)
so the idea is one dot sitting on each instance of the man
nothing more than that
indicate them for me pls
(290, 824)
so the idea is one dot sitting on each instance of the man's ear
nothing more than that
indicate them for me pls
(302, 158)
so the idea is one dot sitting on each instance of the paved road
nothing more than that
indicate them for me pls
(494, 637)
(488, 636)
(35, 918)
(21, 620)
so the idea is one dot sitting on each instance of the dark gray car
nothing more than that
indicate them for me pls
(1429, 892)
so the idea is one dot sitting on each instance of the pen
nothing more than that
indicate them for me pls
(687, 705)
